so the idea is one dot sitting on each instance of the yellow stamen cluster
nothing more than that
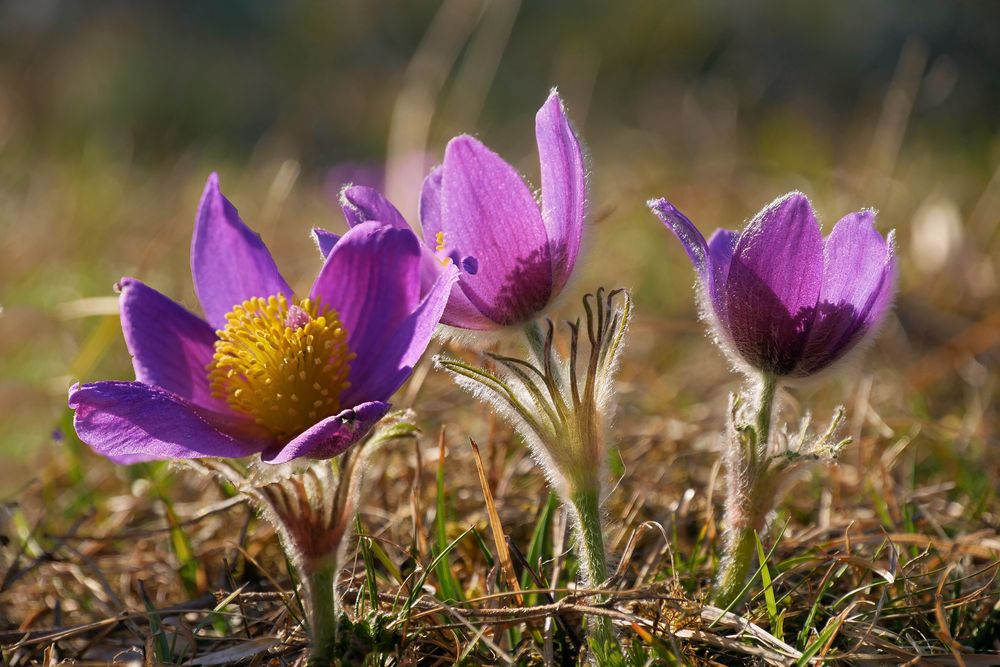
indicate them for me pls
(286, 366)
(440, 247)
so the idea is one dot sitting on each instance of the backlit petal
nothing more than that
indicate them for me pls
(460, 312)
(685, 231)
(564, 186)
(171, 348)
(372, 279)
(401, 350)
(858, 284)
(330, 437)
(324, 240)
(229, 262)
(773, 285)
(363, 204)
(130, 422)
(488, 213)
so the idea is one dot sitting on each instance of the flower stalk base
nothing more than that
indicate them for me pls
(593, 558)
(747, 465)
(563, 406)
(760, 461)
(738, 560)
(323, 617)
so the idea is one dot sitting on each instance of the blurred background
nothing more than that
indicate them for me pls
(112, 114)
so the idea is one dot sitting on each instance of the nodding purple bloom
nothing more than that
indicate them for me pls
(477, 213)
(783, 299)
(266, 372)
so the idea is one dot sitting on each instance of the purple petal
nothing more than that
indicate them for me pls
(721, 246)
(430, 205)
(685, 231)
(460, 312)
(711, 260)
(693, 242)
(331, 436)
(363, 204)
(229, 262)
(773, 285)
(720, 253)
(783, 247)
(170, 347)
(857, 263)
(372, 279)
(858, 285)
(379, 377)
(324, 240)
(130, 421)
(564, 186)
(489, 213)
(881, 300)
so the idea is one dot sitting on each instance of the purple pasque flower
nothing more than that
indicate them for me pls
(477, 213)
(782, 299)
(267, 372)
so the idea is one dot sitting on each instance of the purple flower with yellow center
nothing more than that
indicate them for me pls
(782, 299)
(477, 213)
(264, 372)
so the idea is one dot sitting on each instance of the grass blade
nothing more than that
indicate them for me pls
(450, 590)
(765, 578)
(499, 539)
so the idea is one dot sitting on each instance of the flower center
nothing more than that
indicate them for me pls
(468, 264)
(440, 247)
(285, 365)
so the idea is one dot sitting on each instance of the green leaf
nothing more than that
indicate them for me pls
(819, 642)
(803, 636)
(162, 646)
(364, 544)
(187, 564)
(435, 564)
(540, 547)
(765, 578)
(450, 590)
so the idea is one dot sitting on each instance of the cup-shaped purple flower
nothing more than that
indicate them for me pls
(477, 213)
(784, 303)
(782, 300)
(264, 372)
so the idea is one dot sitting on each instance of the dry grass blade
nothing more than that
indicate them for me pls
(496, 528)
(943, 632)
(633, 540)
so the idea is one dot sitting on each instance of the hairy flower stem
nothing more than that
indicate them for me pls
(747, 503)
(562, 404)
(739, 556)
(593, 559)
(764, 410)
(323, 621)
(535, 336)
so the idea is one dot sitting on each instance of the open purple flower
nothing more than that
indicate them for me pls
(478, 214)
(782, 299)
(266, 372)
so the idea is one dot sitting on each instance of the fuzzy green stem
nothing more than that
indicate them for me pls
(747, 505)
(323, 616)
(739, 557)
(593, 559)
(762, 423)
